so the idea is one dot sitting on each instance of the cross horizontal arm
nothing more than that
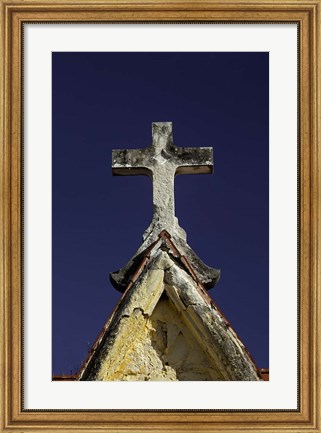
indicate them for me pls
(194, 160)
(129, 162)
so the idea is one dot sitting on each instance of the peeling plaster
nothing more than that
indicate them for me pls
(166, 329)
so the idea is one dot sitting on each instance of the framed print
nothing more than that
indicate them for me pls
(140, 79)
(95, 89)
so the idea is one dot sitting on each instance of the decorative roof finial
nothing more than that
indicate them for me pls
(162, 161)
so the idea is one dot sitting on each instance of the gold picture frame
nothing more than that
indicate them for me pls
(307, 15)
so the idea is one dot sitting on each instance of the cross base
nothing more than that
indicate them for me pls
(127, 275)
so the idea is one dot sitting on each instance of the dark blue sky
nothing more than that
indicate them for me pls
(105, 101)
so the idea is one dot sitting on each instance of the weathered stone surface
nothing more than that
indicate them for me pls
(166, 328)
(162, 161)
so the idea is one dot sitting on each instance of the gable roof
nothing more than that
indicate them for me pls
(164, 270)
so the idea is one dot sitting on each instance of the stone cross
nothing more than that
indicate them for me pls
(162, 161)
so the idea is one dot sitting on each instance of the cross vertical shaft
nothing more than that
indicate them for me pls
(163, 174)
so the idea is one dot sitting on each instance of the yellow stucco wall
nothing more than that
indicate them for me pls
(164, 349)
(164, 330)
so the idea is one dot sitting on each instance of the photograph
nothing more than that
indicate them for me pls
(155, 279)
